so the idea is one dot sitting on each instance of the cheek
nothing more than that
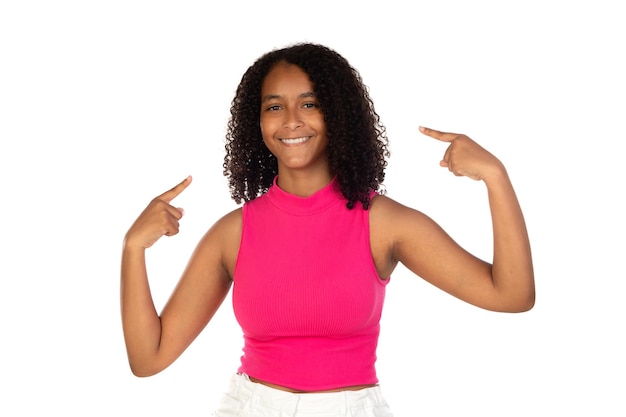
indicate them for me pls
(267, 138)
(263, 128)
(266, 135)
(320, 123)
(267, 125)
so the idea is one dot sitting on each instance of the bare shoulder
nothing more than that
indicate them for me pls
(400, 223)
(390, 224)
(221, 242)
(389, 213)
(230, 222)
(226, 227)
(406, 234)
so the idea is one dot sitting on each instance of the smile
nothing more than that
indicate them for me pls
(295, 141)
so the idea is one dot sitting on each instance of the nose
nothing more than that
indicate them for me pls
(293, 119)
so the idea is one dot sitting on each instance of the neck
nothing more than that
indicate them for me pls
(303, 184)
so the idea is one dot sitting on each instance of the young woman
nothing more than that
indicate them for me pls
(311, 250)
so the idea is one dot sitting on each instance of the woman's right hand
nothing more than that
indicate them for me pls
(160, 218)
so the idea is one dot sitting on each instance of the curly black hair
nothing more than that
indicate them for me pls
(357, 140)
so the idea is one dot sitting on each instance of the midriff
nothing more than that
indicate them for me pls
(287, 389)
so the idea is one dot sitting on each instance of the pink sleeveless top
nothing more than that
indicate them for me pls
(306, 291)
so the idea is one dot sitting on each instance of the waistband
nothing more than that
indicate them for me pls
(326, 402)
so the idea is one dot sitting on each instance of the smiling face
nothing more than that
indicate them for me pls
(292, 123)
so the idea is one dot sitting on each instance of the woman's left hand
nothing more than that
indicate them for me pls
(464, 157)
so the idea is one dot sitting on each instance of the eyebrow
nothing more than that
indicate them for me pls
(277, 96)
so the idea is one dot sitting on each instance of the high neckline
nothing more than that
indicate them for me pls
(316, 202)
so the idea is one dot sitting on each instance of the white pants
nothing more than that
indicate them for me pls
(245, 398)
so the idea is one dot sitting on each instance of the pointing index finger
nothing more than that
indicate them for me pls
(172, 193)
(436, 134)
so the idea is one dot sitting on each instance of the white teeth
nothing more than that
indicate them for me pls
(295, 140)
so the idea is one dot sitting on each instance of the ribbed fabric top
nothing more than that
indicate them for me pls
(306, 291)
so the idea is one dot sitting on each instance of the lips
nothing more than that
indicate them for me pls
(295, 141)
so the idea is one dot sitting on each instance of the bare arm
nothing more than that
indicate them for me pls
(507, 284)
(154, 341)
(512, 270)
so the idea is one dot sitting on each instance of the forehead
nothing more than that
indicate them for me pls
(284, 78)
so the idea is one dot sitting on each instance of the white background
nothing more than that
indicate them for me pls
(104, 105)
